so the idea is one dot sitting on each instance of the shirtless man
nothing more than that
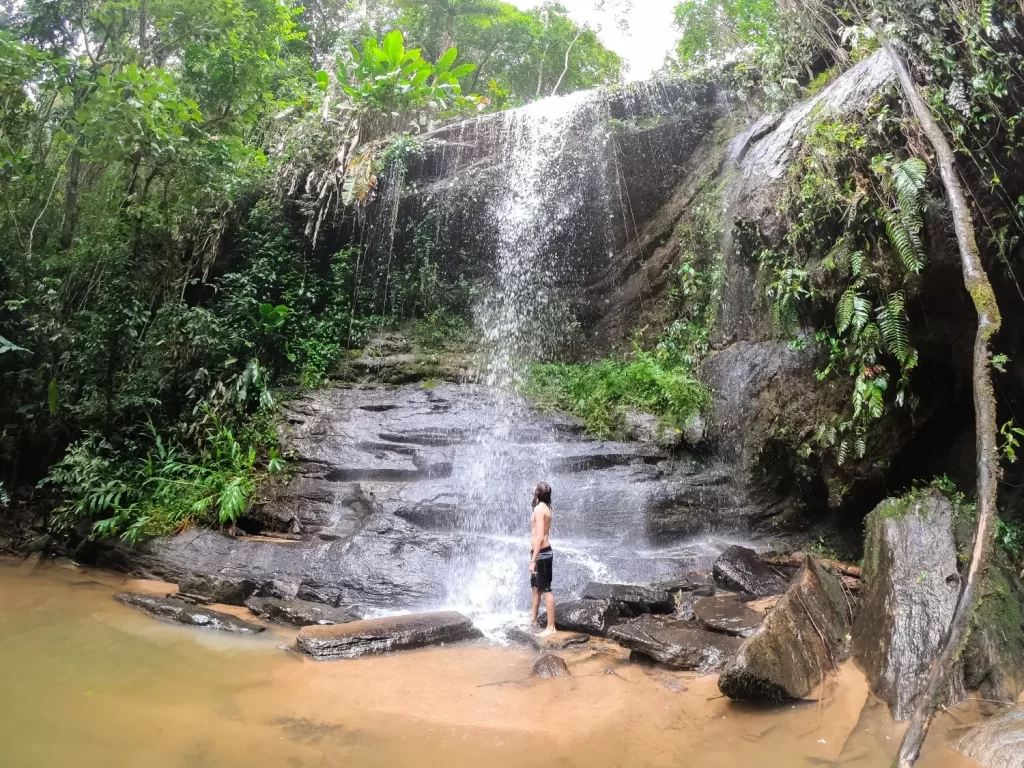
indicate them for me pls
(540, 556)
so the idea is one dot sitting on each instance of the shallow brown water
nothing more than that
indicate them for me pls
(85, 681)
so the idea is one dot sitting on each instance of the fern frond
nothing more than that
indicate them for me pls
(987, 14)
(861, 447)
(844, 309)
(870, 335)
(842, 453)
(892, 319)
(861, 313)
(857, 263)
(909, 178)
(904, 243)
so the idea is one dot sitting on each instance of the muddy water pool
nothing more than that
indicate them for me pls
(86, 681)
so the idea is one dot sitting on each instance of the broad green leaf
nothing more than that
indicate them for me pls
(446, 61)
(323, 80)
(394, 48)
(462, 70)
(9, 346)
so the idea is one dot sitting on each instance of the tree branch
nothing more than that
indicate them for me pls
(554, 91)
(989, 320)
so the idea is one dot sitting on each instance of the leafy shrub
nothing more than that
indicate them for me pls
(119, 494)
(602, 392)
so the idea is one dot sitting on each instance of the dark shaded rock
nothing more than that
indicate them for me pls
(727, 614)
(801, 640)
(994, 653)
(909, 593)
(394, 633)
(298, 613)
(740, 568)
(635, 599)
(225, 590)
(558, 641)
(549, 666)
(592, 617)
(177, 610)
(38, 544)
(996, 743)
(675, 643)
(285, 590)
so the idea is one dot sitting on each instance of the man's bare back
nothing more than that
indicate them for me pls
(541, 556)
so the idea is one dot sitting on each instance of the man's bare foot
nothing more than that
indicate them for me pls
(547, 632)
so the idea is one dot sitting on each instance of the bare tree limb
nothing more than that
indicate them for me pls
(554, 91)
(989, 320)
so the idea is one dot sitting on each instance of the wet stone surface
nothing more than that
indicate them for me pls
(375, 636)
(550, 666)
(298, 613)
(725, 613)
(681, 645)
(557, 641)
(739, 568)
(182, 612)
(996, 743)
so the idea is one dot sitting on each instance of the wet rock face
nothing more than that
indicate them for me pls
(172, 609)
(375, 636)
(740, 568)
(216, 589)
(802, 638)
(592, 617)
(550, 666)
(387, 501)
(996, 743)
(298, 613)
(727, 614)
(908, 598)
(557, 641)
(634, 599)
(677, 644)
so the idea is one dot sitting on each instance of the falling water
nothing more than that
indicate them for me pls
(540, 205)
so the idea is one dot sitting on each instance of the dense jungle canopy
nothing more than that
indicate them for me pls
(187, 191)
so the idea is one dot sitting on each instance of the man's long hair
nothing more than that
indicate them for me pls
(542, 494)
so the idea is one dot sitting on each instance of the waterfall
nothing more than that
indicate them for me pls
(541, 203)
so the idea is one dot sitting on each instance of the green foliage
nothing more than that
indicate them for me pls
(169, 489)
(714, 29)
(1011, 435)
(602, 392)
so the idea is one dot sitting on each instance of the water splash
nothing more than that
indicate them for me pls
(523, 316)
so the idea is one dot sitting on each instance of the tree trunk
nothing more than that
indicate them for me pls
(985, 425)
(67, 227)
(554, 91)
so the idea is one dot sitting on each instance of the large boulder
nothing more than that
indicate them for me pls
(556, 641)
(801, 639)
(909, 593)
(739, 568)
(996, 743)
(677, 644)
(394, 633)
(592, 617)
(173, 609)
(635, 599)
(994, 653)
(298, 613)
(208, 588)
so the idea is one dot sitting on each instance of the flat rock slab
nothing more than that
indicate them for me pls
(173, 609)
(298, 613)
(802, 639)
(635, 598)
(908, 598)
(675, 643)
(558, 641)
(741, 569)
(996, 743)
(725, 613)
(550, 666)
(394, 633)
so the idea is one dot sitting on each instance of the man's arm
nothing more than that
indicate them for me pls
(536, 537)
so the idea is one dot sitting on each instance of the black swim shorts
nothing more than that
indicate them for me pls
(541, 578)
